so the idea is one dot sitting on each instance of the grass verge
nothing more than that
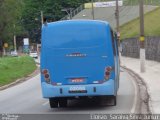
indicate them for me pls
(12, 68)
(151, 25)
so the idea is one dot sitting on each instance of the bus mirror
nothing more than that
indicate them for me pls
(115, 35)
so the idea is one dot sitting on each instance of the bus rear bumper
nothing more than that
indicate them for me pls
(50, 91)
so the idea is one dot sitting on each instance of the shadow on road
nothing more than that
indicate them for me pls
(80, 105)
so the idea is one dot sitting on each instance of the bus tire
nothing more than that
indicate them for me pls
(114, 98)
(108, 100)
(53, 102)
(63, 102)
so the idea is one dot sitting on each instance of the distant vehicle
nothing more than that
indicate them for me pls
(14, 53)
(79, 58)
(33, 54)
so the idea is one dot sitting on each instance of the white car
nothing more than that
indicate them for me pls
(33, 54)
(14, 53)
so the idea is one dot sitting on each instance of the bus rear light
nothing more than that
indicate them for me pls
(98, 82)
(46, 76)
(109, 69)
(44, 71)
(47, 80)
(107, 72)
(95, 82)
(59, 83)
(107, 77)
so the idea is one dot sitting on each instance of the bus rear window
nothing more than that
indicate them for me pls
(74, 36)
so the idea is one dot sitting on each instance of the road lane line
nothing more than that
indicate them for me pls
(135, 96)
(44, 104)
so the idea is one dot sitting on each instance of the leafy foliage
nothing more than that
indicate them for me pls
(10, 16)
(23, 17)
(51, 10)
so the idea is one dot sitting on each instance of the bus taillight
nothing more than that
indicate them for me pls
(45, 72)
(46, 76)
(108, 69)
(107, 72)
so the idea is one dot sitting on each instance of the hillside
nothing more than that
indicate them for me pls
(152, 26)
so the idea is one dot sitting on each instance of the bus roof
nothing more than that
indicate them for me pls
(98, 22)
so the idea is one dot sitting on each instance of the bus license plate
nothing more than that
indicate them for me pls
(77, 80)
(77, 89)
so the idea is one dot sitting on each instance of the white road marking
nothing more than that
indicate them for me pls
(135, 97)
(44, 104)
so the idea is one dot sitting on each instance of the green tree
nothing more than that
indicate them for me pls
(32, 15)
(10, 17)
(51, 10)
(73, 3)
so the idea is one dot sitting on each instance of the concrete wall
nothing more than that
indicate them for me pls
(131, 48)
(153, 48)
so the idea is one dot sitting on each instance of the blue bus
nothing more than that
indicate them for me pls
(79, 59)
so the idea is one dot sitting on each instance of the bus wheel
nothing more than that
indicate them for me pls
(108, 100)
(63, 102)
(114, 100)
(53, 102)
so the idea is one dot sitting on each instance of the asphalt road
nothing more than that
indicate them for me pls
(26, 98)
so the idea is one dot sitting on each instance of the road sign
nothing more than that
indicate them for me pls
(108, 4)
(5, 45)
(26, 41)
(26, 48)
(103, 4)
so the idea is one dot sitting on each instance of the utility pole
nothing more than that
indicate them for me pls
(142, 38)
(117, 21)
(14, 40)
(15, 45)
(42, 20)
(93, 10)
(1, 47)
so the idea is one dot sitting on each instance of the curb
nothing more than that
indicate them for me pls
(20, 80)
(145, 101)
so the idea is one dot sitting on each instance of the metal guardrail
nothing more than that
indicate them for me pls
(73, 12)
(79, 9)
